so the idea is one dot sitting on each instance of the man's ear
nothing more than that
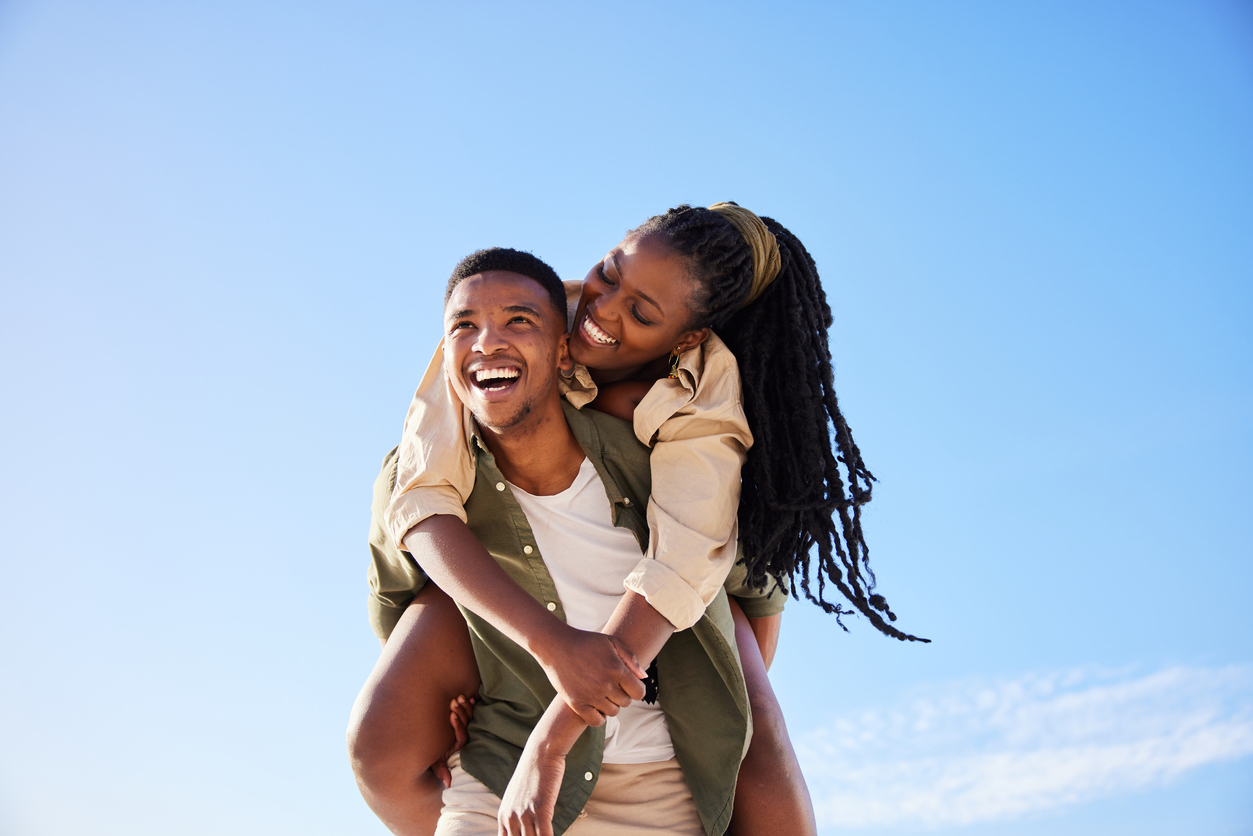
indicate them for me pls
(691, 339)
(564, 361)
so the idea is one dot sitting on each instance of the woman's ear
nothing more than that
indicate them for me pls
(691, 339)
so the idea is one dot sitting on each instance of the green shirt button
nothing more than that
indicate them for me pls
(500, 486)
(587, 776)
(527, 549)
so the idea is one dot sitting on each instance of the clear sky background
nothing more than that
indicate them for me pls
(224, 231)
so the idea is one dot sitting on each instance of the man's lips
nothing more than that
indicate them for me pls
(495, 378)
(594, 333)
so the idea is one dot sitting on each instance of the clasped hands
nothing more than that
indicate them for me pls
(595, 676)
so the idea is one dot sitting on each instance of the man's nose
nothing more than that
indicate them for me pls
(490, 339)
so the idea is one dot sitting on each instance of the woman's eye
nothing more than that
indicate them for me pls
(636, 313)
(601, 271)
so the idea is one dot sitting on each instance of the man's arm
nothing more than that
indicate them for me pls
(531, 797)
(594, 674)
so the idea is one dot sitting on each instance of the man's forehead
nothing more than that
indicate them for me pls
(497, 289)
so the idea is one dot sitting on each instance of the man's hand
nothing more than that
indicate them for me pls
(530, 800)
(461, 708)
(594, 674)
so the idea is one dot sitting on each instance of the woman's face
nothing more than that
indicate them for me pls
(634, 310)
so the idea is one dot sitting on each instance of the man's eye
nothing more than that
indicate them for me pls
(521, 319)
(458, 326)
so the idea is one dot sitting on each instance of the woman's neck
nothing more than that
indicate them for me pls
(654, 370)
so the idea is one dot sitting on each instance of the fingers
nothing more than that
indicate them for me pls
(594, 714)
(523, 824)
(628, 658)
(590, 714)
(459, 734)
(440, 768)
(461, 709)
(633, 689)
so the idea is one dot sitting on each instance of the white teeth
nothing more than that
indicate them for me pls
(495, 374)
(595, 333)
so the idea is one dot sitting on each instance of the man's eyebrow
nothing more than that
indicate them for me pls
(527, 309)
(459, 314)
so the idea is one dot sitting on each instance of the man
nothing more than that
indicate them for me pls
(558, 502)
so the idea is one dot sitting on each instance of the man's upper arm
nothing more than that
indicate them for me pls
(756, 603)
(394, 576)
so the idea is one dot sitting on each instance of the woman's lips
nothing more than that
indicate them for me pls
(594, 333)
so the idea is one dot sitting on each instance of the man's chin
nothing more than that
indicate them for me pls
(500, 416)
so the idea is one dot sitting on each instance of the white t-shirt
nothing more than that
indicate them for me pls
(589, 558)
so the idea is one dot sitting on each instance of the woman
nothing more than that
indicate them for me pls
(642, 327)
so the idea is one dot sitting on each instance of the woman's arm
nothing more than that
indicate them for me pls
(594, 673)
(530, 800)
(434, 476)
(696, 426)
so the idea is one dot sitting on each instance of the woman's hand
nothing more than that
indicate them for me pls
(596, 675)
(530, 800)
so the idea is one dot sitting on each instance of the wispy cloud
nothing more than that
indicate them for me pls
(978, 751)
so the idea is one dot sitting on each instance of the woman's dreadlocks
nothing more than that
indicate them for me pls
(793, 488)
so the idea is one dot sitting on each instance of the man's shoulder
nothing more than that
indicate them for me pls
(600, 432)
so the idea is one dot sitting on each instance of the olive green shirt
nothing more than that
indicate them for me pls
(701, 685)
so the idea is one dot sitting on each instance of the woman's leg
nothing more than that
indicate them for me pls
(770, 794)
(400, 721)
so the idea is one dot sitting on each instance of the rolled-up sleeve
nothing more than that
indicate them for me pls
(393, 575)
(756, 603)
(700, 439)
(434, 472)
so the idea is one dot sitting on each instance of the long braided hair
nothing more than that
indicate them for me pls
(804, 470)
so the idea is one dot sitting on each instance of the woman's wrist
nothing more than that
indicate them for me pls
(556, 733)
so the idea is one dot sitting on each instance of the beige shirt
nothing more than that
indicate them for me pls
(700, 439)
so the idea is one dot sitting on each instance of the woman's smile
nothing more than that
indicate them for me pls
(596, 335)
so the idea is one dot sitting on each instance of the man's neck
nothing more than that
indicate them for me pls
(542, 457)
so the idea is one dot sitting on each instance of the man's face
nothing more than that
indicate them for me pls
(503, 348)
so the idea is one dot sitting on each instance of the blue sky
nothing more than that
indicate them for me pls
(224, 229)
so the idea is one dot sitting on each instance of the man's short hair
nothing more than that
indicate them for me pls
(513, 261)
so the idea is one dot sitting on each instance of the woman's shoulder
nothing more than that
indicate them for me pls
(716, 378)
(705, 398)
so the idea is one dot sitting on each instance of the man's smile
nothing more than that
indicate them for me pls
(496, 382)
(493, 379)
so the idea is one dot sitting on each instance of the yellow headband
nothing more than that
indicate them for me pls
(766, 261)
